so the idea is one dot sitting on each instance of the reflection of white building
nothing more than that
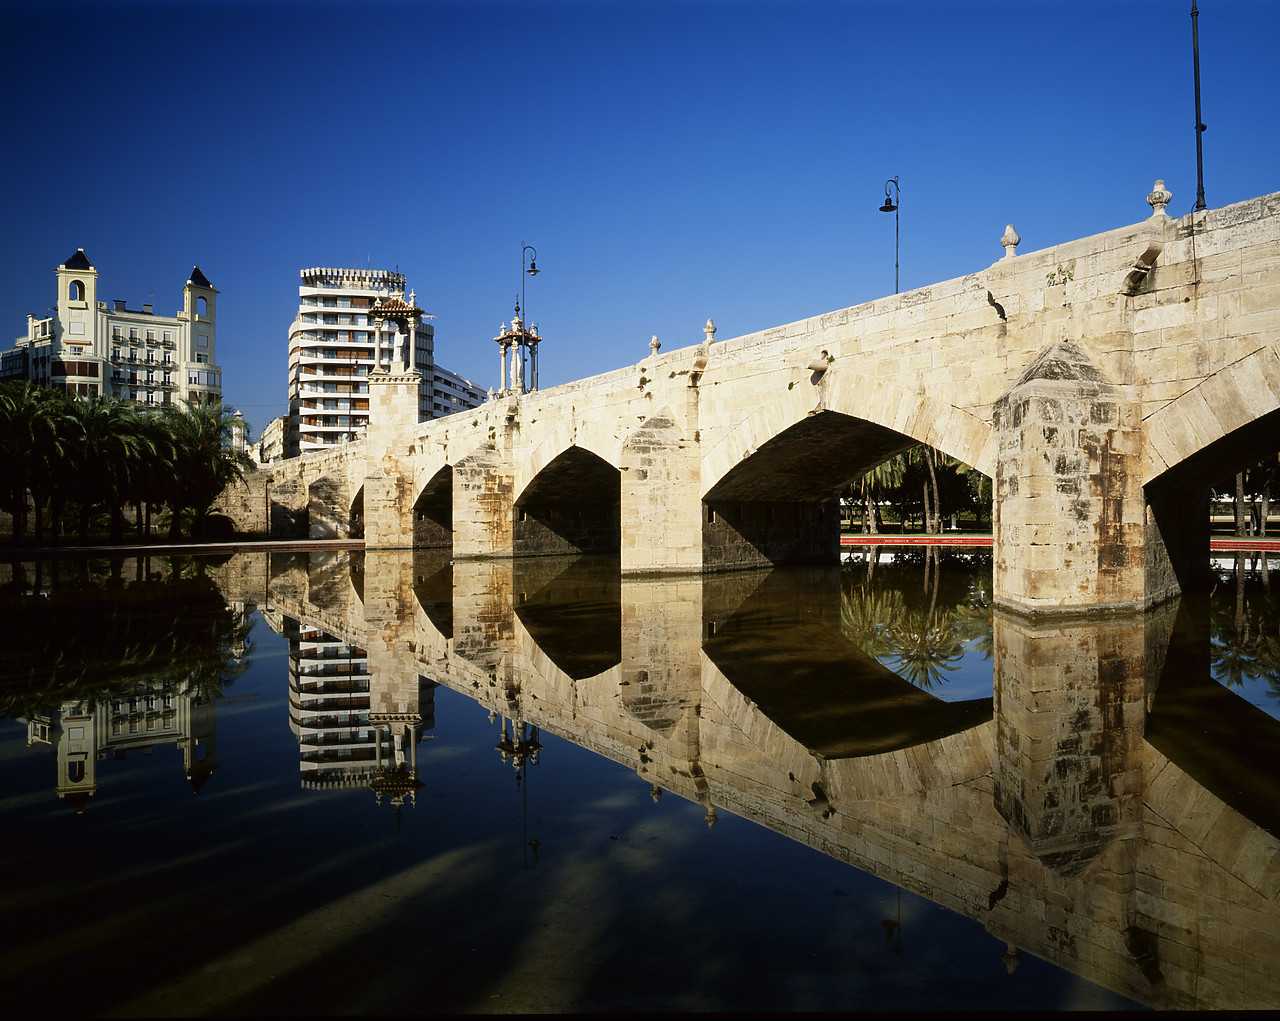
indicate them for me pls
(332, 352)
(84, 734)
(329, 709)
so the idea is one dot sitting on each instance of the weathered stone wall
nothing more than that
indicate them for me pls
(1170, 327)
(1068, 508)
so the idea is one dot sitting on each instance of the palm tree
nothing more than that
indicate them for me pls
(32, 449)
(205, 461)
(874, 485)
(105, 445)
(150, 477)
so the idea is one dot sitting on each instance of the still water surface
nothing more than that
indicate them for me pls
(321, 783)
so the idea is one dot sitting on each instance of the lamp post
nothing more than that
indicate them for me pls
(890, 206)
(1200, 128)
(525, 340)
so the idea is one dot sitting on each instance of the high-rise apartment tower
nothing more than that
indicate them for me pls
(331, 353)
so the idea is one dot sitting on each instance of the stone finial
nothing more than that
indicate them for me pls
(655, 345)
(1010, 240)
(710, 331)
(1158, 199)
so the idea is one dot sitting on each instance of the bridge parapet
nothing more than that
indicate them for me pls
(1102, 383)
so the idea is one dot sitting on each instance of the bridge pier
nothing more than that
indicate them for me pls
(483, 506)
(659, 502)
(1069, 512)
(388, 486)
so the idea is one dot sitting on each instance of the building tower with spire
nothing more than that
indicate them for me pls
(85, 346)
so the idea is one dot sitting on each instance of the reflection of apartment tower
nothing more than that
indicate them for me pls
(332, 351)
(329, 709)
(83, 734)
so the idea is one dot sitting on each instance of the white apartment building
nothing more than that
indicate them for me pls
(331, 353)
(270, 443)
(86, 346)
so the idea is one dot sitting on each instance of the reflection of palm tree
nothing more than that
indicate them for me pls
(156, 634)
(866, 618)
(1245, 632)
(924, 646)
(919, 633)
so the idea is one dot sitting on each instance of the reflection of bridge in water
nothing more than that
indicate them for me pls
(1081, 814)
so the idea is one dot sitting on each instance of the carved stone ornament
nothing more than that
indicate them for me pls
(1159, 198)
(1010, 240)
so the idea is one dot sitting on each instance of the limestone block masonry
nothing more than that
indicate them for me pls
(1103, 383)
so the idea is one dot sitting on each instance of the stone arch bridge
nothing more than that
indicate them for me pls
(1103, 384)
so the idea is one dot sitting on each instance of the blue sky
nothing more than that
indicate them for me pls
(669, 160)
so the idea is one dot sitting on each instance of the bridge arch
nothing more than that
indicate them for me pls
(886, 406)
(572, 505)
(546, 441)
(356, 515)
(433, 511)
(782, 469)
(1229, 421)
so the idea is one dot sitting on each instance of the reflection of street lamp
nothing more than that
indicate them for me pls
(892, 928)
(890, 206)
(521, 747)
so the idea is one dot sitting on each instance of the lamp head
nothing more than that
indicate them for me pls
(533, 270)
(888, 206)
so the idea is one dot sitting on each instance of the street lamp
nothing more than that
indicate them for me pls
(890, 206)
(1200, 128)
(531, 343)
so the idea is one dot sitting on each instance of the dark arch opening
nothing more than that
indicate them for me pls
(572, 506)
(1178, 500)
(780, 505)
(75, 291)
(433, 512)
(355, 527)
(202, 306)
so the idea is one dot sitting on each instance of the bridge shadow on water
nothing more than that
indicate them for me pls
(1102, 804)
(784, 649)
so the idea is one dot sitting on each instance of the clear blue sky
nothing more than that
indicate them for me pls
(670, 161)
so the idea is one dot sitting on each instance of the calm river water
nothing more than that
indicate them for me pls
(292, 783)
